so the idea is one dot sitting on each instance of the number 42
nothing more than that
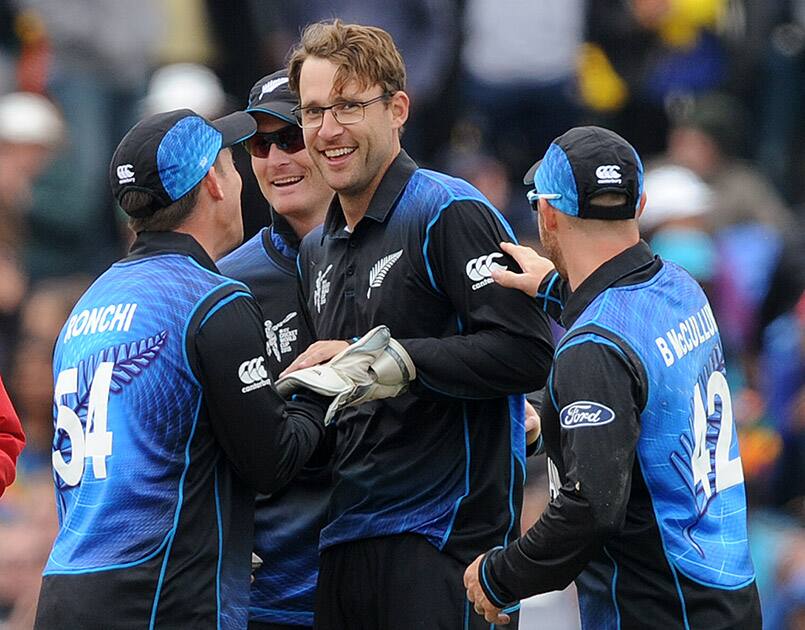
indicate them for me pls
(728, 472)
(96, 442)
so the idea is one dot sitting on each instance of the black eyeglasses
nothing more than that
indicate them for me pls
(288, 139)
(533, 198)
(345, 113)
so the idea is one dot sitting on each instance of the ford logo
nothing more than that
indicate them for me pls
(585, 413)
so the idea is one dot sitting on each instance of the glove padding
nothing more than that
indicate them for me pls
(376, 366)
(390, 375)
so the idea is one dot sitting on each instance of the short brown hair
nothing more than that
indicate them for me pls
(164, 219)
(364, 54)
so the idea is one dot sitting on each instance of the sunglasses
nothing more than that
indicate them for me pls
(288, 139)
(533, 198)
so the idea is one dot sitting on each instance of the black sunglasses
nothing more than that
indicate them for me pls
(288, 139)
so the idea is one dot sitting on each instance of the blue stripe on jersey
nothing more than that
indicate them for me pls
(221, 304)
(125, 565)
(220, 550)
(592, 338)
(547, 295)
(448, 531)
(489, 590)
(550, 389)
(431, 223)
(614, 587)
(681, 596)
(179, 504)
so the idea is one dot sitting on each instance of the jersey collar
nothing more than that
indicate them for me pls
(153, 243)
(632, 266)
(386, 195)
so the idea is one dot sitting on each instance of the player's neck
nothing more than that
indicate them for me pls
(303, 224)
(590, 254)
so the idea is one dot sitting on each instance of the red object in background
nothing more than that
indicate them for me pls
(34, 61)
(12, 440)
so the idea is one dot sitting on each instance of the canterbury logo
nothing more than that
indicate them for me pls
(125, 174)
(480, 268)
(379, 271)
(272, 85)
(608, 174)
(253, 373)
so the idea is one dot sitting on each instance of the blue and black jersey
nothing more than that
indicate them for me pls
(166, 424)
(287, 522)
(648, 507)
(446, 460)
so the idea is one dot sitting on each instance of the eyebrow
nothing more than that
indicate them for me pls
(340, 98)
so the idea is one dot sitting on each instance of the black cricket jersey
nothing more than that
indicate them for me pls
(287, 522)
(446, 459)
(648, 508)
(166, 425)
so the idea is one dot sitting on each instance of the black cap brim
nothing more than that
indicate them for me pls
(532, 173)
(235, 128)
(285, 116)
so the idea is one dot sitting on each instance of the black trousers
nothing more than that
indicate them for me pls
(399, 582)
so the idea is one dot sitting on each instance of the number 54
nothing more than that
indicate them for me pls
(96, 442)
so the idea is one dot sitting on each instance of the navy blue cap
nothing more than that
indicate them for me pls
(167, 154)
(271, 95)
(584, 163)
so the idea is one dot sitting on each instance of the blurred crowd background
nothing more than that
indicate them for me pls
(710, 92)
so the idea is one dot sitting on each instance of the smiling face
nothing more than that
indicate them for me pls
(352, 158)
(289, 181)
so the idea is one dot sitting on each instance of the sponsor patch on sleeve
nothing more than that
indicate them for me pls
(585, 413)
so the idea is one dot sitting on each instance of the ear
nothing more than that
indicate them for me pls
(399, 105)
(548, 215)
(212, 184)
(641, 205)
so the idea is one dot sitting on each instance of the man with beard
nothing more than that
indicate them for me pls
(648, 508)
(426, 481)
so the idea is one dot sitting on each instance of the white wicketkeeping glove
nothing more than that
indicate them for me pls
(388, 376)
(374, 367)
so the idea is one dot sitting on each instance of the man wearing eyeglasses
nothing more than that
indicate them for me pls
(426, 481)
(287, 523)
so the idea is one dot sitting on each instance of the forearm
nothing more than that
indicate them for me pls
(486, 364)
(546, 558)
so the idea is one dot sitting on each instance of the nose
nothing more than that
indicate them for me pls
(276, 155)
(330, 127)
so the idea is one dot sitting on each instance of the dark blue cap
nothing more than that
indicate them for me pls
(167, 154)
(271, 95)
(584, 163)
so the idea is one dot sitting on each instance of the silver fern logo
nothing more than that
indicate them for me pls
(379, 270)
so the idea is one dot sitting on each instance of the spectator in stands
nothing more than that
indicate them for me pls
(31, 128)
(706, 138)
(641, 55)
(676, 220)
(519, 69)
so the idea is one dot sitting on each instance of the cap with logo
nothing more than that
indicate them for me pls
(582, 164)
(167, 154)
(271, 95)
